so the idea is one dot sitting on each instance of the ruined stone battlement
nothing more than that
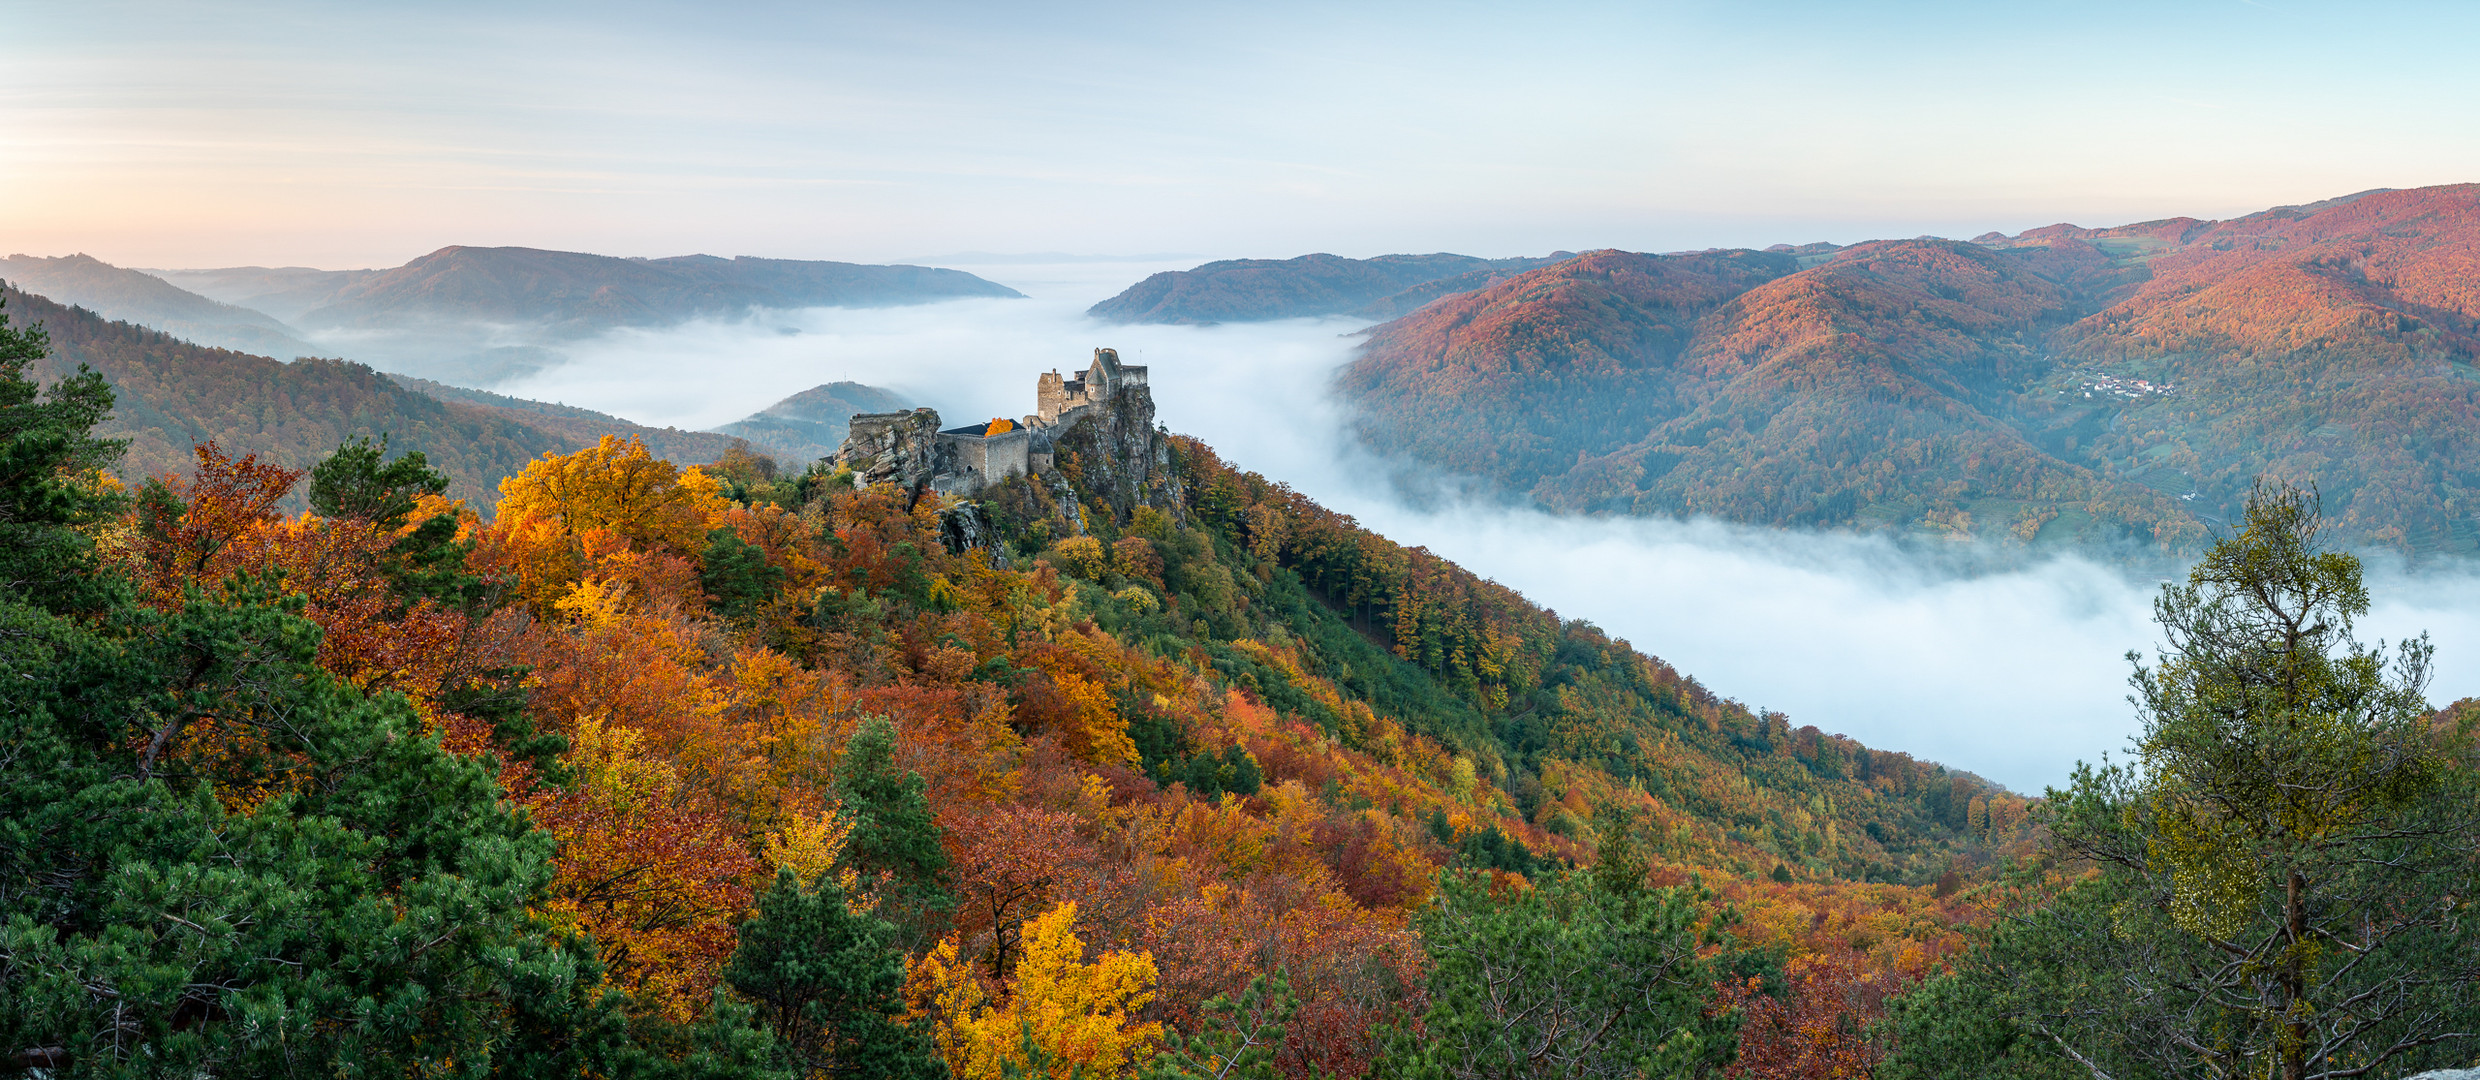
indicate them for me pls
(1056, 397)
(910, 448)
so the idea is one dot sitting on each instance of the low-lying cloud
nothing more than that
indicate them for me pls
(2014, 673)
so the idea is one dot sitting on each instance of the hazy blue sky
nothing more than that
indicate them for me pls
(340, 134)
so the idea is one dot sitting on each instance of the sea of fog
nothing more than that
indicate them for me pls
(2013, 673)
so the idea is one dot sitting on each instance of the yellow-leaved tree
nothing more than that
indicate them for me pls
(611, 511)
(621, 486)
(1078, 1015)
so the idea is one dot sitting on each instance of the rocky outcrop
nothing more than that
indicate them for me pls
(896, 448)
(1114, 453)
(964, 527)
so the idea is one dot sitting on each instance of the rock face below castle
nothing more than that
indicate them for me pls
(1103, 418)
(895, 448)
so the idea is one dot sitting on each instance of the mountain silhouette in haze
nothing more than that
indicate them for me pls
(478, 316)
(139, 297)
(285, 292)
(1255, 290)
(579, 294)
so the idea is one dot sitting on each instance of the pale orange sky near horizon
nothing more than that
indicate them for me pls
(283, 133)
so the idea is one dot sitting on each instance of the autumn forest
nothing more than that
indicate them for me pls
(1062, 801)
(349, 730)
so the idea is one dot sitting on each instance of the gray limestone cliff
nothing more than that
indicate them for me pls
(1115, 453)
(901, 448)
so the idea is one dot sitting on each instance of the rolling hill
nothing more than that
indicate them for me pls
(812, 424)
(148, 299)
(286, 292)
(173, 395)
(1252, 290)
(584, 427)
(2064, 385)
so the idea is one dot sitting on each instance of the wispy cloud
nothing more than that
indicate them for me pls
(292, 132)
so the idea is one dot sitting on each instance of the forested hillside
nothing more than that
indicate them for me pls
(2334, 344)
(778, 740)
(1252, 290)
(173, 395)
(1543, 704)
(579, 427)
(2066, 385)
(138, 297)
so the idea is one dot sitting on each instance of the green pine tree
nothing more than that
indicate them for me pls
(895, 843)
(1567, 980)
(1618, 867)
(828, 980)
(1236, 1038)
(2284, 869)
(47, 447)
(358, 483)
(736, 574)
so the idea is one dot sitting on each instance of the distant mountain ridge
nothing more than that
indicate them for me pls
(2066, 384)
(1254, 290)
(580, 293)
(139, 297)
(285, 292)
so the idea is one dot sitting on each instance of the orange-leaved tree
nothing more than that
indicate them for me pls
(186, 528)
(653, 869)
(1818, 1029)
(380, 633)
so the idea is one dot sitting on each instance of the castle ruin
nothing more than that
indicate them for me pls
(910, 448)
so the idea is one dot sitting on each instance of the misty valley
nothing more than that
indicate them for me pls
(2043, 655)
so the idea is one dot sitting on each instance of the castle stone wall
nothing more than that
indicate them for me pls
(987, 459)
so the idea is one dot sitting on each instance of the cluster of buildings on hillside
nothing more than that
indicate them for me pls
(2113, 386)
